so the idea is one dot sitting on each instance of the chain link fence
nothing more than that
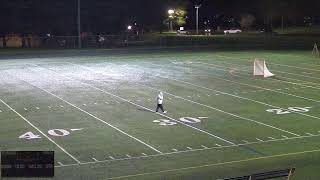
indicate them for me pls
(129, 40)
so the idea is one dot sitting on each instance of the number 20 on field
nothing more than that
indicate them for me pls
(290, 110)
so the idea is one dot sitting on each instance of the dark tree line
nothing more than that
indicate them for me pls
(112, 16)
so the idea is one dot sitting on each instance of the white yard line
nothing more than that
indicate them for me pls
(45, 135)
(95, 117)
(259, 139)
(111, 157)
(204, 146)
(196, 150)
(294, 66)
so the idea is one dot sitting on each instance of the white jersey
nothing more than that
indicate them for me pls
(160, 98)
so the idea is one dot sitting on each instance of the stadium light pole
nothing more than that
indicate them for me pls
(171, 12)
(79, 26)
(197, 18)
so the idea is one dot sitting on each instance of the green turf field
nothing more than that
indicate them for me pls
(96, 112)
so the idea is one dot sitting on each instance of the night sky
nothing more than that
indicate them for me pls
(112, 16)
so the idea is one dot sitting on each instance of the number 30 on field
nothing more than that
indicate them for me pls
(189, 120)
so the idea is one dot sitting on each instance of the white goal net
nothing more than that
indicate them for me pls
(260, 69)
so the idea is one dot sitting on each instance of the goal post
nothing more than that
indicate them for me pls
(260, 69)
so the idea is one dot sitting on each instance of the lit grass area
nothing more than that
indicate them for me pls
(95, 109)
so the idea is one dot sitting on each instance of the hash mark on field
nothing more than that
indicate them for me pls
(203, 117)
(60, 163)
(259, 139)
(310, 134)
(111, 157)
(175, 150)
(218, 145)
(189, 148)
(144, 154)
(95, 159)
(286, 137)
(37, 108)
(79, 129)
(307, 72)
(128, 156)
(271, 138)
(204, 147)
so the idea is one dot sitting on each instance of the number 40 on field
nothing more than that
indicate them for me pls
(53, 132)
